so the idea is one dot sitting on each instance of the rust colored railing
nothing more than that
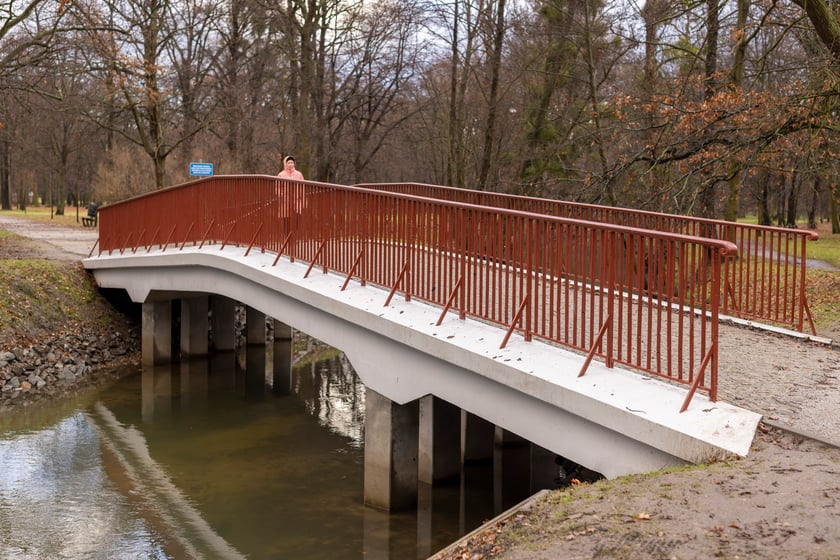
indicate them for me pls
(764, 282)
(646, 299)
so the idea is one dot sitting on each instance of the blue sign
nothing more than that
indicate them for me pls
(201, 169)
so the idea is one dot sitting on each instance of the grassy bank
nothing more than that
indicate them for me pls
(40, 297)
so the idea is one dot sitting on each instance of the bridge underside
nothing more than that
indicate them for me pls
(611, 420)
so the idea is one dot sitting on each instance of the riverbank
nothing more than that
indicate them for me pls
(58, 334)
(63, 364)
(781, 501)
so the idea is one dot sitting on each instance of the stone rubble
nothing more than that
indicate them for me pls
(63, 361)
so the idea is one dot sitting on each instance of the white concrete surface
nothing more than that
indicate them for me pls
(613, 421)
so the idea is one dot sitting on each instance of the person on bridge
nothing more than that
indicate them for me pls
(291, 198)
(289, 171)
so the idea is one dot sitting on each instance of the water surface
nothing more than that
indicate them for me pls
(205, 460)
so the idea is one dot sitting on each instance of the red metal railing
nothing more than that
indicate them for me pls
(646, 299)
(766, 282)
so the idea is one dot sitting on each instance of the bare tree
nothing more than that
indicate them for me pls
(193, 56)
(373, 101)
(130, 40)
(26, 31)
(494, 69)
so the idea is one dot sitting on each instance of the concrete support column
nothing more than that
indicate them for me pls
(223, 323)
(544, 469)
(511, 469)
(477, 445)
(439, 450)
(391, 436)
(255, 357)
(282, 331)
(282, 367)
(194, 339)
(156, 333)
(254, 326)
(477, 438)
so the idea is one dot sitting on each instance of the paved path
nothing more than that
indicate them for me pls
(789, 379)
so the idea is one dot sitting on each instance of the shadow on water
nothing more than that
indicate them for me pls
(206, 459)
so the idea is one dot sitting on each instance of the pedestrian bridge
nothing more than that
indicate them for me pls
(596, 342)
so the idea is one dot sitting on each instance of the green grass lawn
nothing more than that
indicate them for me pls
(827, 248)
(43, 214)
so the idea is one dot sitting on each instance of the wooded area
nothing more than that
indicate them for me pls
(709, 108)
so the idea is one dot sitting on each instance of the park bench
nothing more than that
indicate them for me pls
(91, 218)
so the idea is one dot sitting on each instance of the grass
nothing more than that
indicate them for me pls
(827, 248)
(44, 214)
(38, 295)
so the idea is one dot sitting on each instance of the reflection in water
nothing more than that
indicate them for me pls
(205, 459)
(167, 505)
(334, 395)
(56, 500)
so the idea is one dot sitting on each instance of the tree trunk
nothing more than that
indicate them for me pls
(762, 208)
(493, 101)
(815, 196)
(653, 14)
(154, 96)
(730, 211)
(5, 171)
(595, 103)
(708, 195)
(790, 215)
(453, 101)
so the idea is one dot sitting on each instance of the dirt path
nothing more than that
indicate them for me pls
(56, 242)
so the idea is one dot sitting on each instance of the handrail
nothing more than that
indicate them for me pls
(767, 280)
(575, 274)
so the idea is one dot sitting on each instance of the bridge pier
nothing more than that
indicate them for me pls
(254, 326)
(391, 438)
(411, 448)
(439, 449)
(157, 325)
(194, 335)
(156, 333)
(477, 435)
(223, 323)
(511, 468)
(255, 354)
(282, 367)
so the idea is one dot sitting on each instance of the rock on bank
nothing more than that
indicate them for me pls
(64, 362)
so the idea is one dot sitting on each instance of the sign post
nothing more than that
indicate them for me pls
(201, 169)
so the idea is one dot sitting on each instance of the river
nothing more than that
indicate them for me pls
(205, 460)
